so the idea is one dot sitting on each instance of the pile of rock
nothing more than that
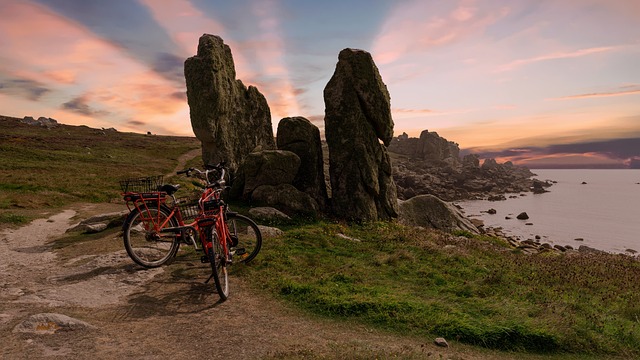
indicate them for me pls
(432, 165)
(42, 122)
(234, 124)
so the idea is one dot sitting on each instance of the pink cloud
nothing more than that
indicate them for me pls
(633, 90)
(505, 107)
(565, 160)
(412, 112)
(266, 49)
(184, 23)
(62, 76)
(554, 56)
(89, 81)
(409, 29)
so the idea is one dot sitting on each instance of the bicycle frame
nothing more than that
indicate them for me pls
(223, 235)
(160, 220)
(143, 201)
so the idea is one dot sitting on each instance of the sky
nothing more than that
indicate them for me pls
(524, 80)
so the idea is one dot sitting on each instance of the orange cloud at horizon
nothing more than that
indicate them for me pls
(562, 159)
(81, 70)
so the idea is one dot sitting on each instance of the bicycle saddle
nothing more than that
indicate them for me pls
(169, 189)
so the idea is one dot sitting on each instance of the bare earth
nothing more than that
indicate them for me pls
(162, 313)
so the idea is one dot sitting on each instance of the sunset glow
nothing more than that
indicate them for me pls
(490, 75)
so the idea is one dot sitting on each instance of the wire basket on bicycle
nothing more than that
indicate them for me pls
(189, 208)
(141, 184)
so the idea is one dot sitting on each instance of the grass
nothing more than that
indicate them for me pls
(48, 168)
(467, 288)
(472, 290)
(11, 218)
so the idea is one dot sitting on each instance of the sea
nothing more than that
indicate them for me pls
(596, 208)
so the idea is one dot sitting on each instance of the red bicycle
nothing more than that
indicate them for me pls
(158, 223)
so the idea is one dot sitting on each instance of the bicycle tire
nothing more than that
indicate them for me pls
(218, 263)
(245, 236)
(145, 246)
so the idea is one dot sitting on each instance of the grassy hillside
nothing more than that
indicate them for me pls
(475, 290)
(469, 289)
(48, 168)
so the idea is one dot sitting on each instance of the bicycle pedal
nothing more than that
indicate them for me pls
(240, 252)
(204, 259)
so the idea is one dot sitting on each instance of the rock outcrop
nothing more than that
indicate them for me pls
(266, 177)
(431, 212)
(300, 136)
(431, 165)
(268, 167)
(42, 121)
(430, 147)
(268, 214)
(229, 119)
(357, 118)
(287, 198)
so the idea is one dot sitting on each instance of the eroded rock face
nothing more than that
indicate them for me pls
(286, 198)
(430, 146)
(268, 167)
(431, 165)
(357, 118)
(300, 136)
(229, 119)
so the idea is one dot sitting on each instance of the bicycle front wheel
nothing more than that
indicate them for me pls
(144, 242)
(246, 238)
(218, 261)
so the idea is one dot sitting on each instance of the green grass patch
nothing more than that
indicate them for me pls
(470, 289)
(43, 168)
(11, 218)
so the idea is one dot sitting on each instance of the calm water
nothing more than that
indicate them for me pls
(605, 212)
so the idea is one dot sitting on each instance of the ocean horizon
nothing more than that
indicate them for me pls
(599, 208)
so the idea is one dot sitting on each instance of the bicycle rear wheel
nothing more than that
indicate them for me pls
(218, 262)
(145, 244)
(246, 239)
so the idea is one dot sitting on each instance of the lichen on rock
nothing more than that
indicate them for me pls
(229, 119)
(357, 120)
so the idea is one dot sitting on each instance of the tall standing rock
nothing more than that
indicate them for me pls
(300, 136)
(357, 117)
(229, 119)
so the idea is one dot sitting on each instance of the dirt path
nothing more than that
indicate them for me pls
(165, 313)
(182, 161)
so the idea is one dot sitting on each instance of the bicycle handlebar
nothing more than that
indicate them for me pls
(220, 182)
(185, 171)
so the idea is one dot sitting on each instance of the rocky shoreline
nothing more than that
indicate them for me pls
(535, 244)
(432, 165)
